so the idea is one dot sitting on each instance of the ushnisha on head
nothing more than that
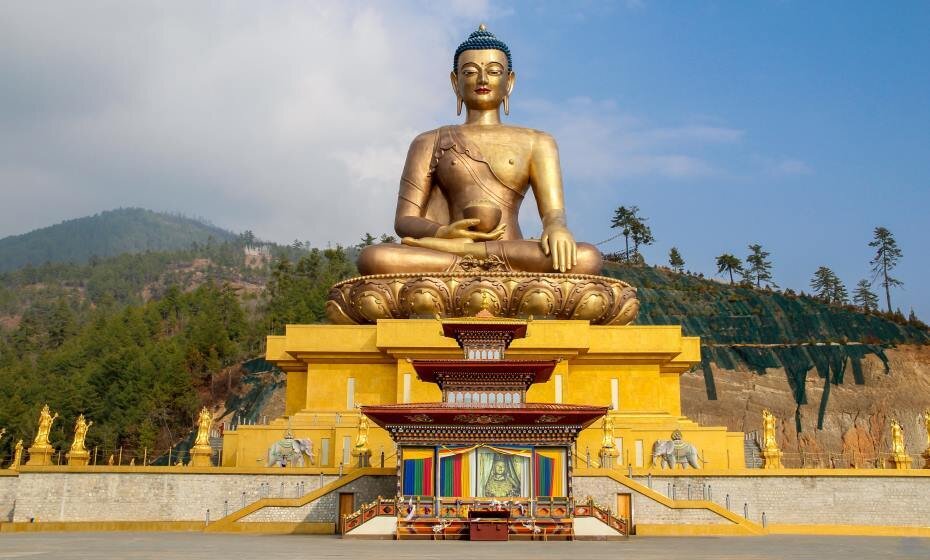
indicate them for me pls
(482, 72)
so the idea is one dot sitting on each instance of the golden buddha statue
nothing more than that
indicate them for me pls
(457, 215)
(462, 185)
(80, 434)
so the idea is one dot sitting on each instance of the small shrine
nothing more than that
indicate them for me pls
(483, 462)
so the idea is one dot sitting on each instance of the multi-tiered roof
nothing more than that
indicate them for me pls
(484, 394)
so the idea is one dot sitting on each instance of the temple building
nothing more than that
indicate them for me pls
(483, 444)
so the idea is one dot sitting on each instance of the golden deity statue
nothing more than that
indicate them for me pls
(457, 216)
(17, 456)
(771, 454)
(80, 433)
(897, 439)
(462, 185)
(45, 426)
(768, 430)
(204, 423)
(361, 439)
(608, 447)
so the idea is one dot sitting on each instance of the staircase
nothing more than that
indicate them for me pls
(752, 450)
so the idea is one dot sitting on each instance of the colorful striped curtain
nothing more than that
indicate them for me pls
(455, 475)
(549, 472)
(418, 471)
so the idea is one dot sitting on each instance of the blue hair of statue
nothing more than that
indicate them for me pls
(482, 39)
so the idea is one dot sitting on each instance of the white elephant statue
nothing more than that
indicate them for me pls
(290, 452)
(675, 452)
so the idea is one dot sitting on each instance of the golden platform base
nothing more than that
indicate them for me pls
(78, 458)
(771, 459)
(40, 456)
(598, 299)
(901, 461)
(201, 457)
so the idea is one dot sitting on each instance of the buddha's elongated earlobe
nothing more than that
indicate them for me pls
(458, 105)
(507, 105)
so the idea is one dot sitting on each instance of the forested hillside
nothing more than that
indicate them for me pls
(126, 230)
(139, 342)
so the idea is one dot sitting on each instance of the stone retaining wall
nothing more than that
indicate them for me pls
(902, 501)
(8, 486)
(111, 496)
(324, 509)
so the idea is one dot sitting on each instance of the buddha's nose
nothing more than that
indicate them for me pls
(482, 77)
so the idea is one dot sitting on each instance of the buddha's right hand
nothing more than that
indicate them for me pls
(459, 247)
(460, 229)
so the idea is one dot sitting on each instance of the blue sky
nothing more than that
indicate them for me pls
(797, 125)
(822, 114)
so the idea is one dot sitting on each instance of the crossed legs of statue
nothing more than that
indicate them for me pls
(524, 255)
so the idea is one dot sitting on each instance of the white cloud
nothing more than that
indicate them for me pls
(600, 143)
(290, 118)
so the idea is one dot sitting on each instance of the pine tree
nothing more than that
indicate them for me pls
(886, 258)
(385, 238)
(864, 297)
(634, 229)
(367, 239)
(828, 287)
(760, 268)
(729, 263)
(675, 260)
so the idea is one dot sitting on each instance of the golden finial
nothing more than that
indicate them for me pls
(482, 27)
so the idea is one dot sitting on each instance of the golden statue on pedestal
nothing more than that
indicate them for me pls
(457, 214)
(41, 451)
(771, 454)
(361, 449)
(80, 434)
(45, 426)
(78, 455)
(201, 452)
(17, 456)
(204, 424)
(608, 447)
(899, 456)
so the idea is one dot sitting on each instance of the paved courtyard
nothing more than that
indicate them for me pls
(195, 546)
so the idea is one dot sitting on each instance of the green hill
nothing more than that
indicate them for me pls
(744, 327)
(126, 230)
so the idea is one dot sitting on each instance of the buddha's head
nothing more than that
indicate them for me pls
(482, 72)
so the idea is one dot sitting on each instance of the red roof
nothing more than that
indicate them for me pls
(447, 414)
(433, 371)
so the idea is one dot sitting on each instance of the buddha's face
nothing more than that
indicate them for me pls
(499, 468)
(482, 79)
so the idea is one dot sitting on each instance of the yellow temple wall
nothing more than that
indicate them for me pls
(333, 368)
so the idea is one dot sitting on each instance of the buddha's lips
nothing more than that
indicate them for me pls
(483, 90)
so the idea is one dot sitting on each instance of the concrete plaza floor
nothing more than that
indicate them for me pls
(195, 546)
